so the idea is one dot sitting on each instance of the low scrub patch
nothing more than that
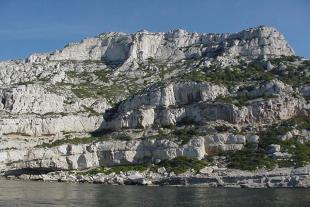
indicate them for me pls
(182, 164)
(116, 169)
(249, 158)
(91, 111)
(75, 141)
(180, 135)
(253, 156)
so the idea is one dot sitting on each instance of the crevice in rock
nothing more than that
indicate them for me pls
(29, 171)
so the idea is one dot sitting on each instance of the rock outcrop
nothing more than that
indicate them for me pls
(107, 153)
(196, 103)
(156, 102)
(176, 45)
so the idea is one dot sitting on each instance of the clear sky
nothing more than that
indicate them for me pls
(28, 26)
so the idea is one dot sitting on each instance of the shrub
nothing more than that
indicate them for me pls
(249, 158)
(300, 153)
(116, 169)
(253, 156)
(184, 135)
(187, 121)
(122, 136)
(101, 75)
(75, 141)
(82, 92)
(90, 110)
(230, 76)
(306, 63)
(181, 164)
(283, 58)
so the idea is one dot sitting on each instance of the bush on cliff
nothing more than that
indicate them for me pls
(182, 164)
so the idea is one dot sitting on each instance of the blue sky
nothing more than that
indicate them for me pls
(28, 26)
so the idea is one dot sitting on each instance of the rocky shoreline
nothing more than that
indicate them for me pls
(207, 177)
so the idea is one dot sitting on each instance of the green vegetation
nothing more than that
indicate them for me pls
(181, 135)
(184, 135)
(116, 169)
(272, 133)
(72, 73)
(101, 75)
(91, 90)
(26, 83)
(88, 87)
(82, 92)
(156, 70)
(74, 141)
(254, 156)
(54, 114)
(229, 76)
(90, 110)
(249, 158)
(293, 76)
(302, 123)
(182, 164)
(84, 76)
(163, 71)
(277, 61)
(306, 63)
(237, 101)
(255, 71)
(300, 152)
(122, 136)
(92, 61)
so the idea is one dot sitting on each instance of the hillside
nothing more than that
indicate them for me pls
(179, 101)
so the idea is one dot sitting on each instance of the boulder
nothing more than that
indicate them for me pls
(274, 148)
(206, 170)
(252, 138)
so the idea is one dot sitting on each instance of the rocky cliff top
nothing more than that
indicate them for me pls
(120, 48)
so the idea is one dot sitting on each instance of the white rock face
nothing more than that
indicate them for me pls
(140, 118)
(261, 41)
(177, 44)
(175, 94)
(224, 141)
(131, 115)
(36, 126)
(68, 157)
(281, 108)
(25, 99)
(112, 47)
(193, 102)
(34, 111)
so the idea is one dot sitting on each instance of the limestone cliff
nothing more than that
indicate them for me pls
(145, 97)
